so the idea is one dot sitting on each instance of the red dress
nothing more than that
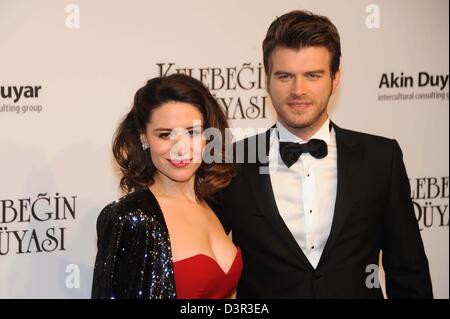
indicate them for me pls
(200, 277)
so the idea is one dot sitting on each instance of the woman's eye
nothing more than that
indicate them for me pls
(164, 135)
(194, 132)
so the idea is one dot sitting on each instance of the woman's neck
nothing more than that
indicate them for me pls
(164, 186)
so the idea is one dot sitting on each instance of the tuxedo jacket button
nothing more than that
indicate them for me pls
(317, 275)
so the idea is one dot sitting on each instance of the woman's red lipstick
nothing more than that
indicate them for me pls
(180, 163)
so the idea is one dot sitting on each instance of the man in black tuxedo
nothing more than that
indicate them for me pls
(312, 214)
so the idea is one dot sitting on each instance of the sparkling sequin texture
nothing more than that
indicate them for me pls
(134, 258)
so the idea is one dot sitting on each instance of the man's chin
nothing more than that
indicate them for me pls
(298, 123)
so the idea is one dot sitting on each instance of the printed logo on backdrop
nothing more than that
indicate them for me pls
(35, 224)
(430, 199)
(238, 89)
(20, 99)
(421, 86)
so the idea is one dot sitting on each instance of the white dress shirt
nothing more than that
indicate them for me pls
(305, 193)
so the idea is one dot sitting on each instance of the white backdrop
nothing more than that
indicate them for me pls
(69, 70)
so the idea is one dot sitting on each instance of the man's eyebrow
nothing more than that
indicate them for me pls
(315, 71)
(282, 72)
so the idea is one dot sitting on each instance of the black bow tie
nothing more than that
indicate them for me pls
(290, 152)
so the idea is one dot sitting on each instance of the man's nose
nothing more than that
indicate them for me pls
(298, 86)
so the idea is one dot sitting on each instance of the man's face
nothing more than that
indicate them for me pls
(300, 85)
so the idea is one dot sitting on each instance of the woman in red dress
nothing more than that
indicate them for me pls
(162, 239)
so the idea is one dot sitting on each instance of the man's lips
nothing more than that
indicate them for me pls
(299, 104)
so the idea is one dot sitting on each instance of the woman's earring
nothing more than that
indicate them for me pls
(145, 146)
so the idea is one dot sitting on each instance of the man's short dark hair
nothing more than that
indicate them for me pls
(300, 29)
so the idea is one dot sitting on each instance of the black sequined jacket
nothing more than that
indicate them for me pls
(134, 258)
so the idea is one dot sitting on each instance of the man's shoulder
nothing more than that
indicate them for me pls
(252, 149)
(366, 139)
(263, 136)
(357, 136)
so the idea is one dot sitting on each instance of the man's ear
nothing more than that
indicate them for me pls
(336, 80)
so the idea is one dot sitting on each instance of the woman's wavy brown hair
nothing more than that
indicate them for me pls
(136, 165)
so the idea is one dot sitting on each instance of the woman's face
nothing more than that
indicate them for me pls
(175, 136)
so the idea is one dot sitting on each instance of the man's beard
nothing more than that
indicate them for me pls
(294, 121)
(297, 121)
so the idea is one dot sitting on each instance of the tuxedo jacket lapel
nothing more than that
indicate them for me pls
(262, 192)
(348, 163)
